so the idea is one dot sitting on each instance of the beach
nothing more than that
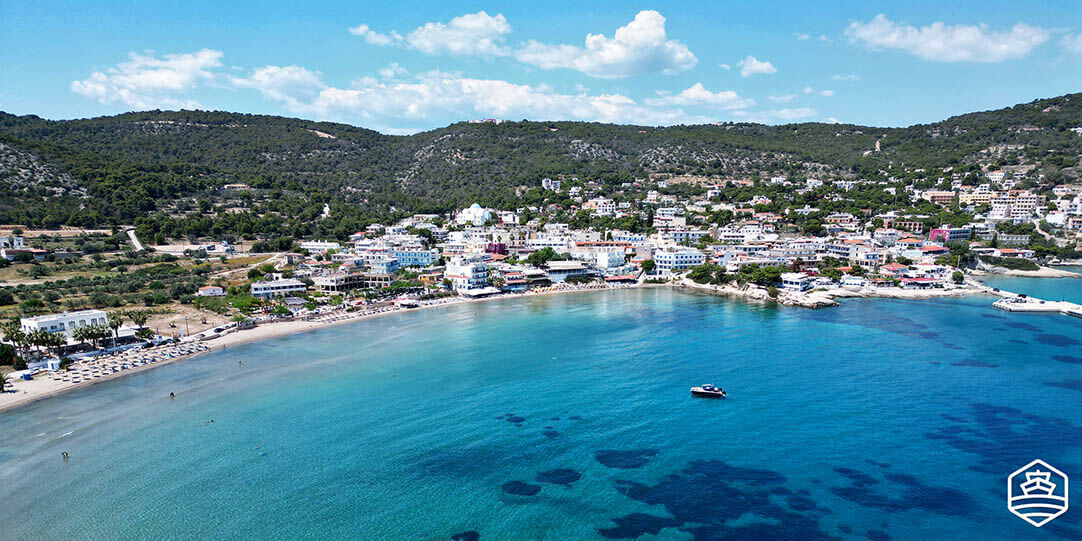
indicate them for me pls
(20, 392)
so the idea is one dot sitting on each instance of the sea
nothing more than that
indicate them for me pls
(570, 417)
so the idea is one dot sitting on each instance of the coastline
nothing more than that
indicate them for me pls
(1043, 272)
(826, 298)
(27, 392)
(41, 388)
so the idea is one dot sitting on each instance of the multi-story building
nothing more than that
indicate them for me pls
(416, 257)
(938, 197)
(796, 281)
(947, 233)
(386, 265)
(603, 206)
(277, 288)
(670, 260)
(64, 322)
(468, 272)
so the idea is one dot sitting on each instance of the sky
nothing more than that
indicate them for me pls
(403, 67)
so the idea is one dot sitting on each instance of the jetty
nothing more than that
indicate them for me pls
(1012, 302)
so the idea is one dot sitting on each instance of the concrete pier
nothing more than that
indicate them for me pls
(1011, 302)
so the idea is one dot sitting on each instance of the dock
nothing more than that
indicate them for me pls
(1010, 302)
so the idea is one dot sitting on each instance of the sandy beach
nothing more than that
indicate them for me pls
(20, 392)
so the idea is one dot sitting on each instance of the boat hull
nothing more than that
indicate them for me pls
(707, 394)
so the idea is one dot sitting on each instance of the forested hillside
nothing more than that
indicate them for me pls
(167, 169)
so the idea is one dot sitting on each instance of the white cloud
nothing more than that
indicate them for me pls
(477, 34)
(472, 34)
(784, 98)
(146, 82)
(776, 115)
(403, 106)
(375, 38)
(810, 90)
(832, 120)
(753, 66)
(392, 71)
(802, 37)
(725, 67)
(1072, 43)
(948, 43)
(697, 94)
(794, 114)
(292, 85)
(845, 77)
(639, 47)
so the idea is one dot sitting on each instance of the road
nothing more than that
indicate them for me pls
(135, 240)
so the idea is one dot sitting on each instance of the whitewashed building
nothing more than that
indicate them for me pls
(277, 288)
(65, 322)
(669, 261)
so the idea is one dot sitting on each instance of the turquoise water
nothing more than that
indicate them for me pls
(1049, 289)
(569, 417)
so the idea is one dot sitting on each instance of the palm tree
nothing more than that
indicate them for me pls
(139, 317)
(81, 334)
(4, 383)
(57, 340)
(15, 335)
(38, 338)
(114, 324)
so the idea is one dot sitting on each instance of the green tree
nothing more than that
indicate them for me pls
(649, 265)
(115, 324)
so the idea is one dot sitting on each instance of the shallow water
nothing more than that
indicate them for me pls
(1049, 289)
(569, 417)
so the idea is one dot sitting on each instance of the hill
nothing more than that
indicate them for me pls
(167, 169)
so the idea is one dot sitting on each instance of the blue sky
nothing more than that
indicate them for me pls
(403, 67)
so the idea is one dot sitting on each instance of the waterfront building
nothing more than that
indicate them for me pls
(65, 322)
(560, 271)
(277, 288)
(796, 281)
(670, 260)
(468, 272)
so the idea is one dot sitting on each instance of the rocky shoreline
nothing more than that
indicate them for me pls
(1043, 272)
(819, 298)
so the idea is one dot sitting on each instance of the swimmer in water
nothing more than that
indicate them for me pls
(64, 454)
(171, 395)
